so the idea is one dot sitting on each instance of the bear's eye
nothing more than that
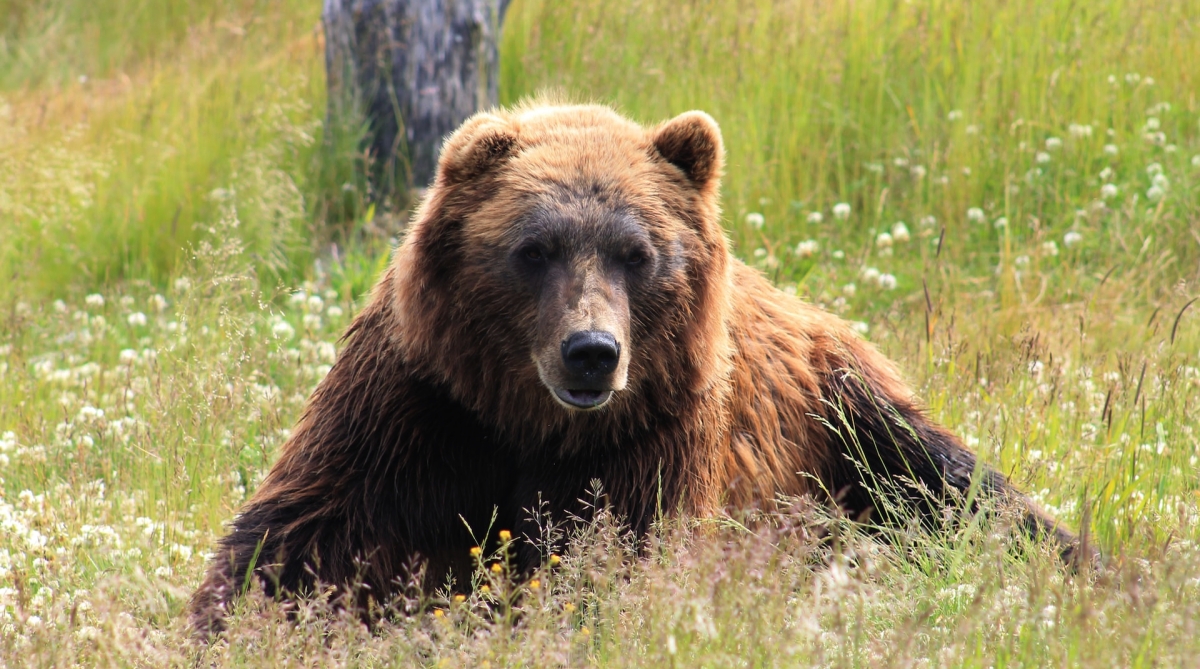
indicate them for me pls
(635, 258)
(533, 254)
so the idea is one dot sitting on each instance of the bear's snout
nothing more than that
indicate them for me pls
(591, 355)
(590, 359)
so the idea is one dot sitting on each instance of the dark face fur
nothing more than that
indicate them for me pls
(565, 261)
(585, 262)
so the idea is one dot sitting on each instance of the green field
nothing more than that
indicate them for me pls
(1004, 193)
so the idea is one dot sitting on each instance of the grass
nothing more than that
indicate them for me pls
(169, 299)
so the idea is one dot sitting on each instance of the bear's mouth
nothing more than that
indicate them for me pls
(583, 399)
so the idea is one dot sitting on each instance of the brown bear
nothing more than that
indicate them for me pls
(565, 308)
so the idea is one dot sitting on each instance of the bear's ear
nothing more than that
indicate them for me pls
(692, 142)
(477, 147)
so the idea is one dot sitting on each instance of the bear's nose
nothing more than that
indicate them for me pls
(591, 352)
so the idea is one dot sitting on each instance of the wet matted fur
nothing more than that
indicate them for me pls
(451, 400)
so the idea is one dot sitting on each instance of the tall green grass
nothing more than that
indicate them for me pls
(129, 127)
(883, 105)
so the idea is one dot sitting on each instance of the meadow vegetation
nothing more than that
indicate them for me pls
(1004, 195)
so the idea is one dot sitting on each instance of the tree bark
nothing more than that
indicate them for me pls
(413, 70)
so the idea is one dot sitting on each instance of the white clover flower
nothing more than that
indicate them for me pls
(887, 281)
(1148, 81)
(900, 162)
(298, 297)
(1108, 191)
(1079, 131)
(841, 210)
(966, 171)
(1042, 157)
(1159, 138)
(283, 330)
(807, 248)
(900, 232)
(136, 319)
(1154, 194)
(1072, 238)
(183, 284)
(1053, 143)
(1161, 181)
(1196, 160)
(972, 130)
(816, 217)
(1153, 169)
(158, 303)
(849, 290)
(1132, 78)
(870, 275)
(315, 304)
(1111, 149)
(918, 171)
(1170, 148)
(755, 220)
(1152, 124)
(60, 306)
(860, 327)
(928, 221)
(128, 356)
(838, 254)
(95, 300)
(1021, 261)
(1112, 80)
(954, 115)
(1001, 223)
(883, 240)
(1050, 248)
(334, 311)
(760, 252)
(1106, 174)
(975, 215)
(311, 321)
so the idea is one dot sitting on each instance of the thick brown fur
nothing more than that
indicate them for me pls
(438, 409)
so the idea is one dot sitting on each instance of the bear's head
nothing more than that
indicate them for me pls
(568, 266)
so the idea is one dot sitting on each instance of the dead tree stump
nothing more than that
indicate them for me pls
(413, 70)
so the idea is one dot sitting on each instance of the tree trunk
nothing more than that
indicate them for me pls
(414, 70)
